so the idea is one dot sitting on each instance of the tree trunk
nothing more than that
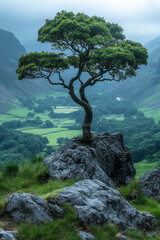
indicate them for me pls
(86, 127)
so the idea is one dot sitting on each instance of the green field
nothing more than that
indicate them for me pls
(149, 112)
(150, 106)
(60, 124)
(145, 166)
(118, 117)
(66, 109)
(19, 111)
(60, 129)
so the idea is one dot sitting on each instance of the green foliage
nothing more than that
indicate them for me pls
(16, 146)
(57, 230)
(96, 47)
(31, 64)
(62, 140)
(141, 134)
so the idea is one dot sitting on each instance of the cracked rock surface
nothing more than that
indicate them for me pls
(7, 235)
(28, 208)
(105, 159)
(96, 203)
(150, 183)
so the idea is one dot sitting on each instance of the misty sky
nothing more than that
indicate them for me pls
(140, 19)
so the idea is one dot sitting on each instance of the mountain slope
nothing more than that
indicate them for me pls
(144, 89)
(153, 44)
(10, 88)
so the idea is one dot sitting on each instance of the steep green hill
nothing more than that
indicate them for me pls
(144, 89)
(10, 51)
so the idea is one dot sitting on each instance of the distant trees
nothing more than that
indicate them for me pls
(141, 134)
(37, 122)
(17, 146)
(47, 124)
(12, 124)
(97, 47)
(62, 140)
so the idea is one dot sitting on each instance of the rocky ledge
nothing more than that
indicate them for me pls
(93, 201)
(106, 159)
(96, 203)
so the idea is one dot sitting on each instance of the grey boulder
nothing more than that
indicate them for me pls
(23, 207)
(105, 159)
(96, 203)
(86, 236)
(150, 183)
(7, 235)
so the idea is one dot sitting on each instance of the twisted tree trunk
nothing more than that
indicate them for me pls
(86, 127)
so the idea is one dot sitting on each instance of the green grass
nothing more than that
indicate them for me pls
(68, 133)
(41, 131)
(19, 111)
(145, 166)
(6, 117)
(150, 106)
(149, 100)
(60, 229)
(31, 177)
(149, 112)
(53, 133)
(107, 232)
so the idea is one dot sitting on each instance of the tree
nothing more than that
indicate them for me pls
(94, 46)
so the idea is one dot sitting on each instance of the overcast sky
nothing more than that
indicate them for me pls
(140, 19)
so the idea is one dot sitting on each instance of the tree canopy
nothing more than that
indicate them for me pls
(94, 46)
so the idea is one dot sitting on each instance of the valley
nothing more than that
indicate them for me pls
(32, 116)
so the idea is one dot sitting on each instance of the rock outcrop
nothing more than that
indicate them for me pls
(96, 203)
(8, 235)
(28, 208)
(150, 183)
(105, 159)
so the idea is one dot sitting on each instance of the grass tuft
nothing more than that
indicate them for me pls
(64, 228)
(32, 177)
(10, 169)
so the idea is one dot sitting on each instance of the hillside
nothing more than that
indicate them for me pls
(10, 88)
(144, 88)
(153, 44)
